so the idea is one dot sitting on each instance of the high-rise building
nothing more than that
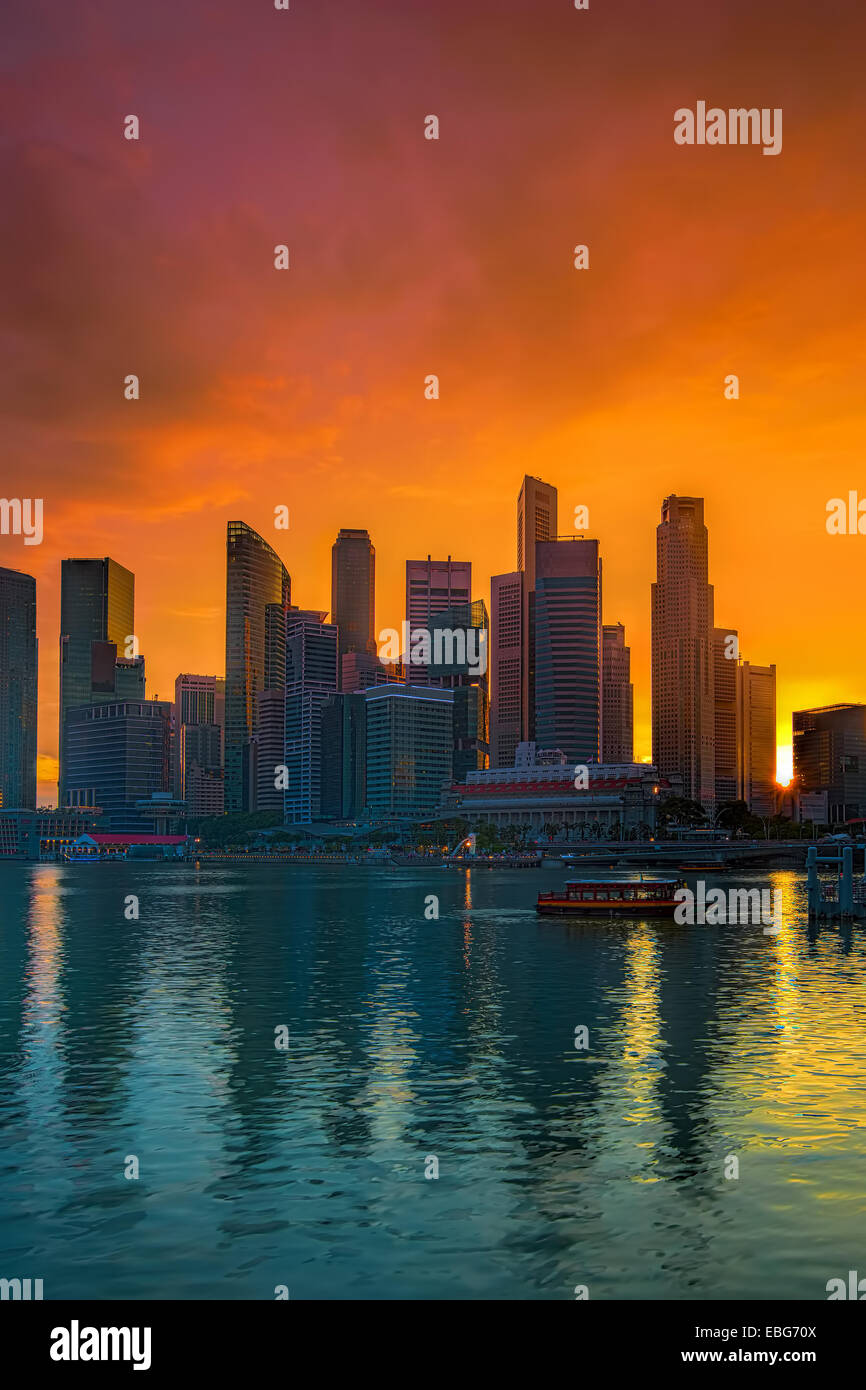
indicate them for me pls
(617, 696)
(343, 789)
(506, 657)
(255, 578)
(311, 677)
(97, 621)
(536, 521)
(410, 742)
(117, 755)
(18, 690)
(568, 648)
(459, 641)
(683, 716)
(757, 740)
(432, 586)
(199, 704)
(353, 593)
(830, 758)
(727, 722)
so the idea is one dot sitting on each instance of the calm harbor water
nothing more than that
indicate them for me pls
(411, 1038)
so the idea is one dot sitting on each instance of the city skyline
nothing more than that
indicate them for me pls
(154, 659)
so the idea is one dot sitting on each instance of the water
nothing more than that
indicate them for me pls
(412, 1039)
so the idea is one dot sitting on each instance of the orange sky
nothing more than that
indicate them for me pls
(408, 257)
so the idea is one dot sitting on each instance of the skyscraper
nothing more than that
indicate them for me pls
(830, 757)
(727, 725)
(98, 661)
(459, 645)
(617, 702)
(353, 593)
(432, 586)
(255, 577)
(683, 718)
(757, 712)
(409, 734)
(536, 521)
(18, 690)
(199, 703)
(311, 677)
(568, 648)
(117, 755)
(506, 664)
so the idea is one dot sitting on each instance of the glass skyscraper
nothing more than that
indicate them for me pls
(97, 617)
(18, 690)
(568, 648)
(353, 593)
(255, 578)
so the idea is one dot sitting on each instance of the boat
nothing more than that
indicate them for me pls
(612, 897)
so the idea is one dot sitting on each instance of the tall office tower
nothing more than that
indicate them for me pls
(617, 696)
(311, 677)
(757, 741)
(506, 656)
(726, 688)
(97, 613)
(353, 593)
(568, 711)
(432, 586)
(682, 651)
(536, 521)
(119, 754)
(199, 703)
(459, 642)
(18, 690)
(343, 789)
(410, 739)
(255, 578)
(830, 757)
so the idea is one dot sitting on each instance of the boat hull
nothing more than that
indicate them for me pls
(569, 908)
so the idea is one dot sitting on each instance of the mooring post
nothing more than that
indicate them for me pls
(846, 886)
(813, 886)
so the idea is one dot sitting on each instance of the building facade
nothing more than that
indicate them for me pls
(18, 690)
(617, 696)
(756, 704)
(410, 744)
(683, 714)
(97, 626)
(506, 658)
(537, 507)
(117, 756)
(311, 679)
(353, 593)
(432, 586)
(830, 758)
(567, 622)
(199, 712)
(727, 751)
(255, 578)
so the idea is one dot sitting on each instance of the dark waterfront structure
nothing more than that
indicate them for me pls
(683, 713)
(617, 696)
(97, 621)
(311, 678)
(353, 594)
(18, 689)
(410, 743)
(568, 648)
(830, 756)
(255, 578)
(119, 755)
(42, 834)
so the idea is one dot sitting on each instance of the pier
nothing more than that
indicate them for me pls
(843, 899)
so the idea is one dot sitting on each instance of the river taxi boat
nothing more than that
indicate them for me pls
(612, 898)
